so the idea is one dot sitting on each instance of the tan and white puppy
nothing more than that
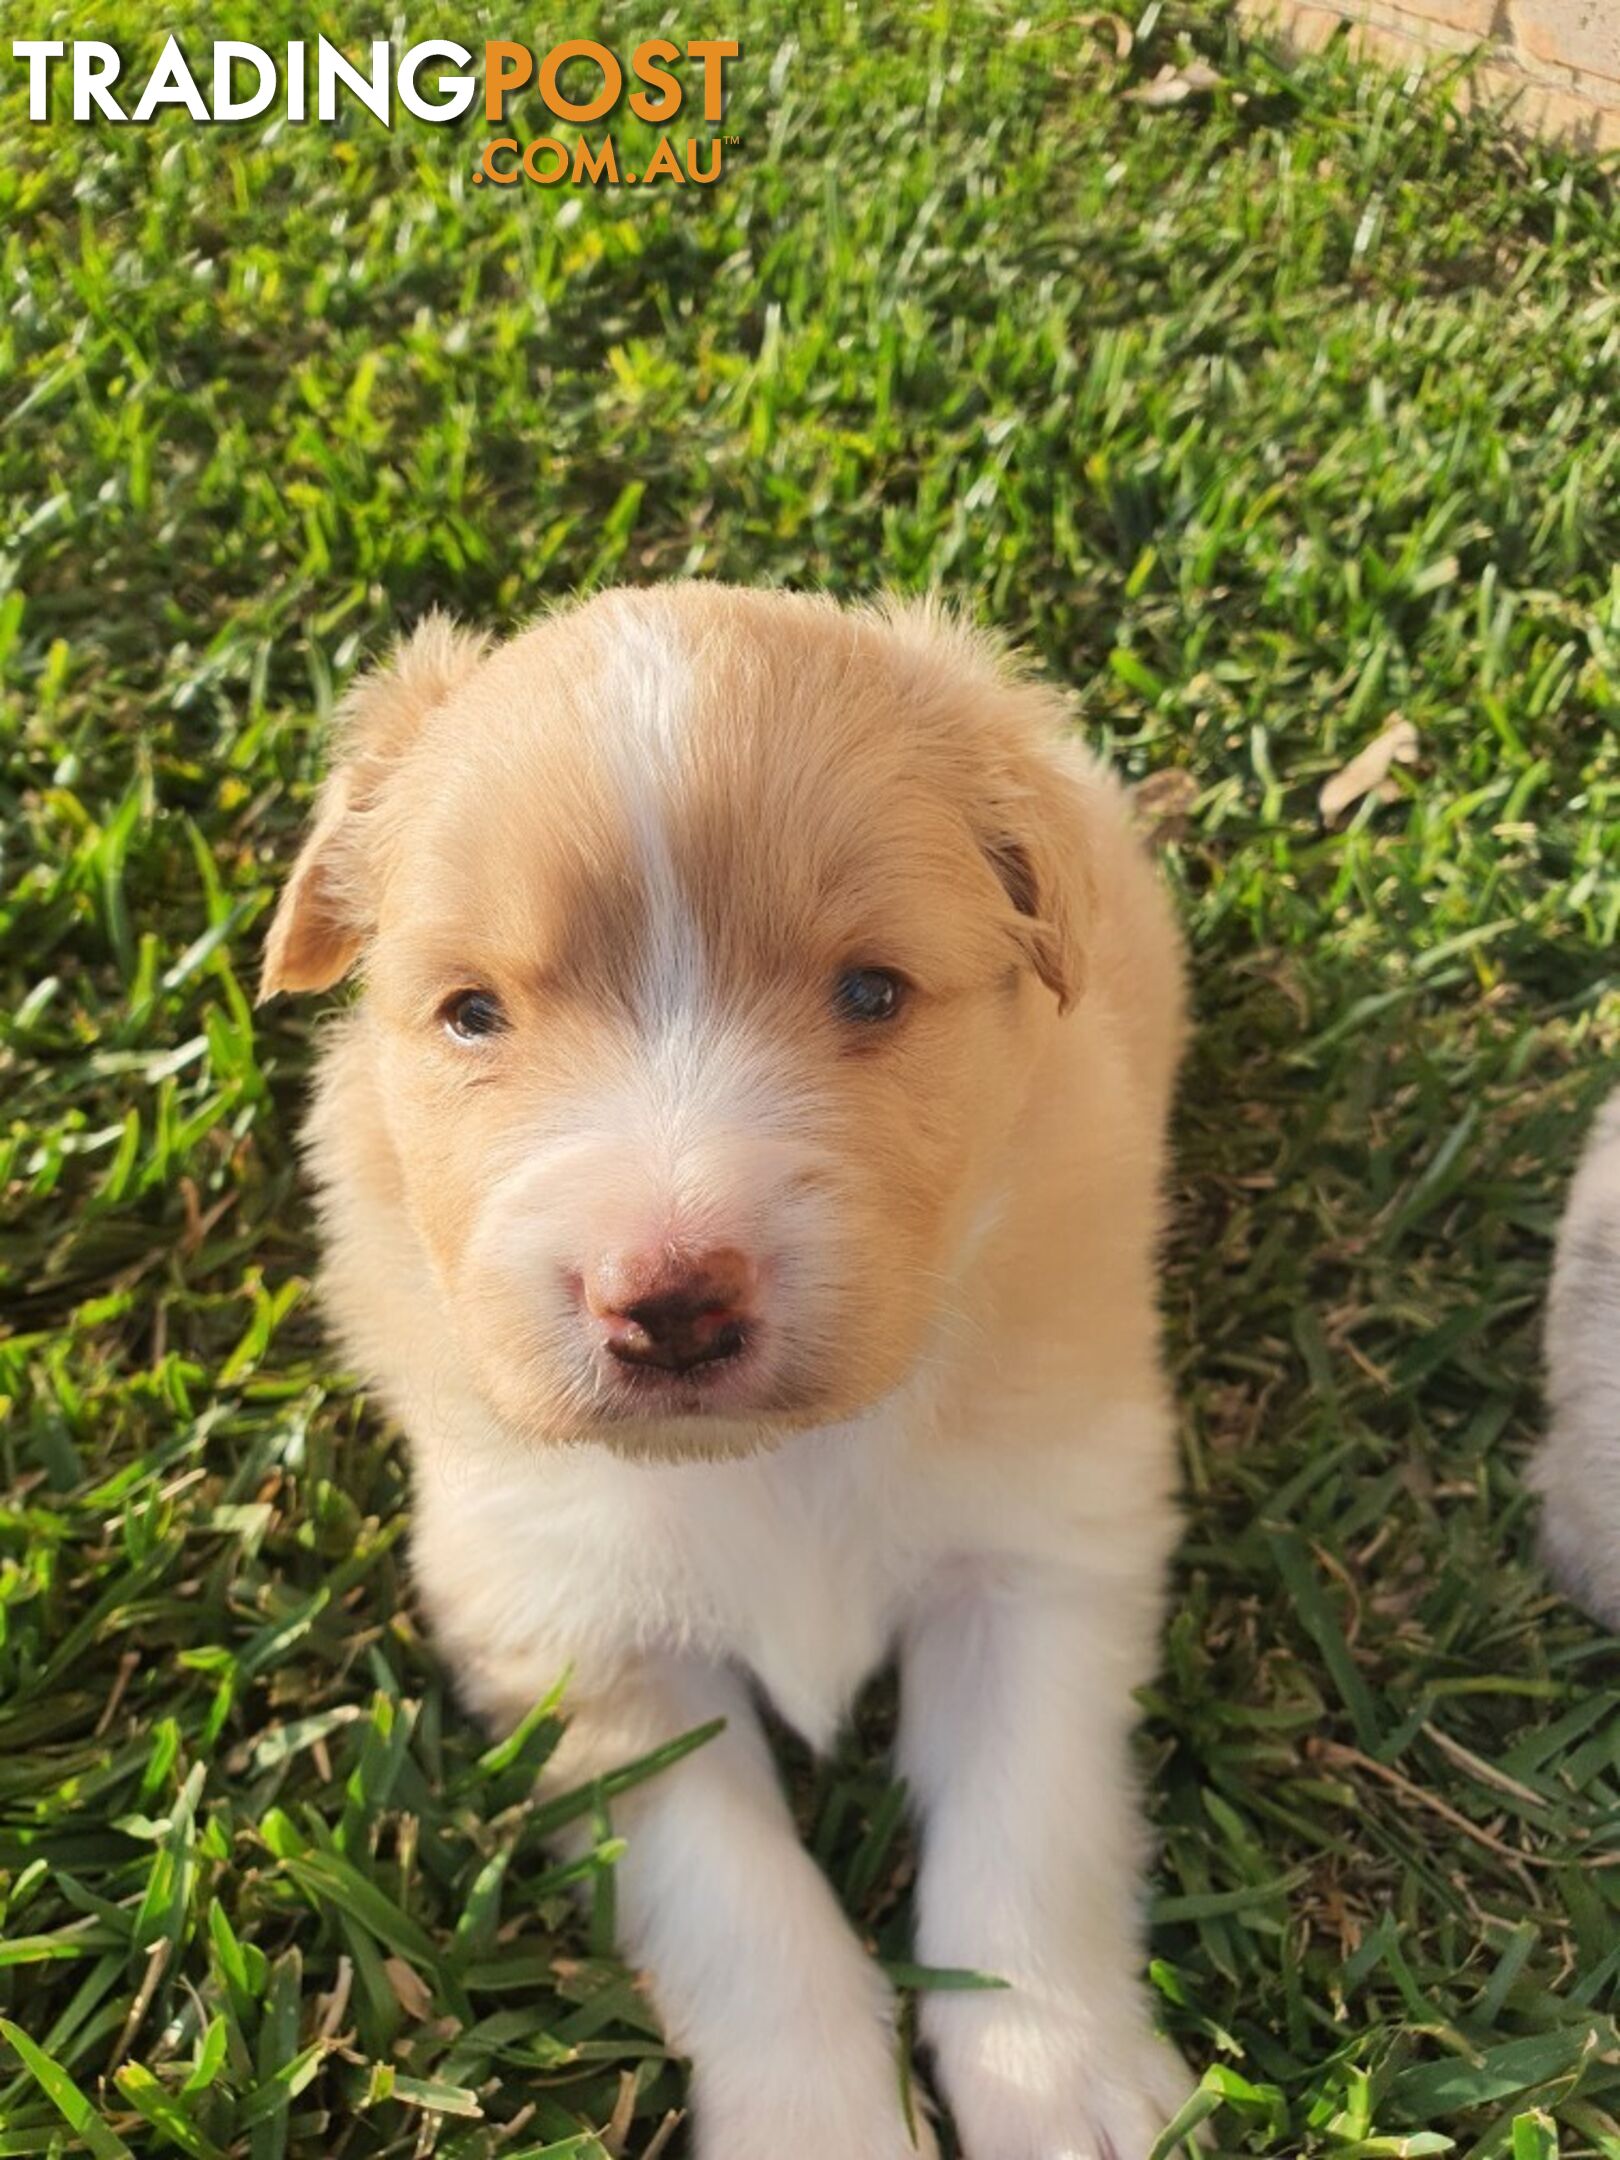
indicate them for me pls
(741, 1176)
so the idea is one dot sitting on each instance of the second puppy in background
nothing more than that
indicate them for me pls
(1578, 1470)
(741, 1173)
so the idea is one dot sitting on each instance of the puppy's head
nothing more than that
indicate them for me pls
(707, 939)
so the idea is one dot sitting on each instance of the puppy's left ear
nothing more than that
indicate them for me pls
(328, 904)
(313, 941)
(1033, 833)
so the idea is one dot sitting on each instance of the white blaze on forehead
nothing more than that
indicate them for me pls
(701, 1076)
(647, 691)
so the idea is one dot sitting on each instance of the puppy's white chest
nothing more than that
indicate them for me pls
(803, 1559)
(793, 1564)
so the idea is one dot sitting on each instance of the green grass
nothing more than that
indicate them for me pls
(1258, 420)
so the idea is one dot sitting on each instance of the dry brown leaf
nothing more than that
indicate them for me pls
(1164, 801)
(1174, 85)
(617, 2129)
(664, 2135)
(410, 1989)
(1106, 23)
(330, 2008)
(1395, 744)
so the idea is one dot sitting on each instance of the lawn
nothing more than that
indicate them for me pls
(1260, 419)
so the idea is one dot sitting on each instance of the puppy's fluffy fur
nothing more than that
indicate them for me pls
(657, 833)
(1578, 1470)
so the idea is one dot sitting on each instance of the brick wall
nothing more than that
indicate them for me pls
(1554, 63)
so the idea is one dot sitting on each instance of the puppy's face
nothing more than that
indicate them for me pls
(707, 940)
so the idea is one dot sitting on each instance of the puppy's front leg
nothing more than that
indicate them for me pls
(1015, 1737)
(756, 1974)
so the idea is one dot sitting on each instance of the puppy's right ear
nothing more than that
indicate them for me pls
(326, 909)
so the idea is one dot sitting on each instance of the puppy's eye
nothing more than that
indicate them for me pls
(472, 1014)
(868, 995)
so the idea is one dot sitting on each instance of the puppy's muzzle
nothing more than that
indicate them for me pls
(670, 1312)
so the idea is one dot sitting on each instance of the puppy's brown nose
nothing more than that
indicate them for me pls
(672, 1311)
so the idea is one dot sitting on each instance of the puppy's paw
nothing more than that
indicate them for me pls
(1580, 1554)
(1043, 2081)
(760, 2140)
(804, 2122)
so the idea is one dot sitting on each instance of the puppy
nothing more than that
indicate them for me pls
(740, 1175)
(1578, 1470)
